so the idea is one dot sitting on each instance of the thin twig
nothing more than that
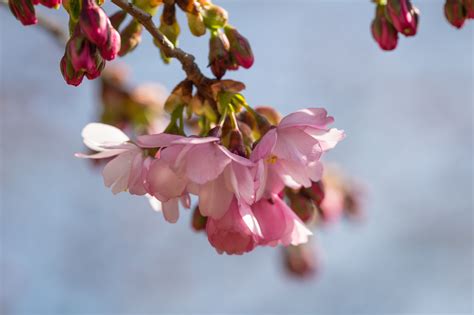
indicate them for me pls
(192, 70)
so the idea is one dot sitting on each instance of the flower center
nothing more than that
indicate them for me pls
(272, 159)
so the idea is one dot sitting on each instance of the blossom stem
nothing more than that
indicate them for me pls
(223, 117)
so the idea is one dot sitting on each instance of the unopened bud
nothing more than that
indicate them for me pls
(317, 193)
(214, 17)
(24, 11)
(170, 28)
(131, 36)
(70, 75)
(94, 23)
(239, 47)
(112, 46)
(270, 113)
(403, 16)
(81, 53)
(95, 72)
(236, 143)
(455, 12)
(383, 31)
(218, 53)
(215, 132)
(196, 24)
(301, 260)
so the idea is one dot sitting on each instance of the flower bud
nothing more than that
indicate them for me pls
(198, 221)
(403, 16)
(24, 11)
(317, 192)
(301, 260)
(196, 24)
(271, 114)
(131, 36)
(96, 71)
(196, 104)
(70, 75)
(94, 23)
(214, 17)
(111, 48)
(169, 27)
(455, 12)
(236, 143)
(52, 4)
(383, 31)
(81, 53)
(469, 6)
(218, 53)
(239, 47)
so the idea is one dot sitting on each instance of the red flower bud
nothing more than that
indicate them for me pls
(239, 47)
(455, 12)
(383, 31)
(403, 16)
(52, 4)
(95, 72)
(70, 75)
(111, 48)
(23, 10)
(218, 53)
(469, 6)
(81, 53)
(94, 23)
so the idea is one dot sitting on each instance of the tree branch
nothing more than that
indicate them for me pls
(192, 70)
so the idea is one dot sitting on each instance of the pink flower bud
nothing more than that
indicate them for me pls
(52, 4)
(239, 47)
(99, 65)
(469, 6)
(23, 10)
(218, 53)
(94, 23)
(403, 16)
(383, 31)
(81, 53)
(111, 48)
(455, 12)
(70, 75)
(301, 260)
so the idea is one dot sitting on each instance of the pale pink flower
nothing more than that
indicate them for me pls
(236, 232)
(199, 166)
(289, 154)
(126, 171)
(278, 223)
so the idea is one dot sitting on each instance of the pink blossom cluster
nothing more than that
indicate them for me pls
(240, 196)
(94, 40)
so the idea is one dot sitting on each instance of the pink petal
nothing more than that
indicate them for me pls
(136, 180)
(294, 144)
(236, 158)
(100, 155)
(157, 141)
(163, 183)
(171, 210)
(117, 171)
(239, 180)
(214, 198)
(265, 146)
(272, 221)
(310, 117)
(327, 138)
(205, 162)
(97, 135)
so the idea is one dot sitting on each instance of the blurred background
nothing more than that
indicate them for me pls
(68, 246)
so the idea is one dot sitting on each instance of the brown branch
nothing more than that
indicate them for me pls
(192, 70)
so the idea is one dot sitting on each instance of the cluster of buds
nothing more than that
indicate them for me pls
(457, 11)
(239, 164)
(93, 41)
(393, 17)
(24, 10)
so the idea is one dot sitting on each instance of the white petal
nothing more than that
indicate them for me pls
(97, 135)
